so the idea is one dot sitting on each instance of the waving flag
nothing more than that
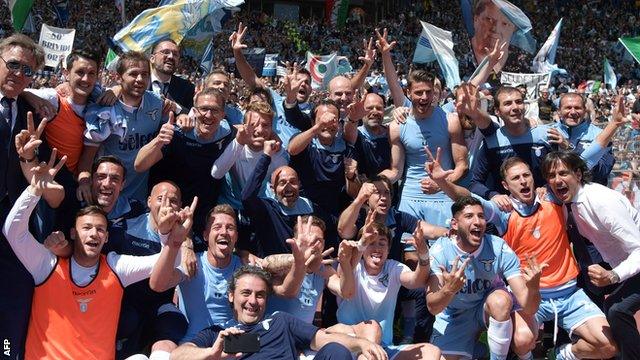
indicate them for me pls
(207, 59)
(437, 44)
(322, 69)
(171, 21)
(545, 60)
(19, 12)
(632, 45)
(337, 11)
(609, 75)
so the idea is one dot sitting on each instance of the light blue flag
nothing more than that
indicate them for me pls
(610, 77)
(545, 60)
(437, 44)
(522, 37)
(207, 59)
(171, 21)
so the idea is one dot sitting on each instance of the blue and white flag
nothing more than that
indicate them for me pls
(270, 64)
(437, 44)
(610, 77)
(545, 60)
(172, 21)
(522, 37)
(207, 59)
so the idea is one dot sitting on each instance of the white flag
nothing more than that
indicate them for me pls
(437, 44)
(545, 60)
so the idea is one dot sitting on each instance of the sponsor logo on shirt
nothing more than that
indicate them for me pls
(135, 141)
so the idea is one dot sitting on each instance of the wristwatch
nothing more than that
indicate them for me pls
(613, 277)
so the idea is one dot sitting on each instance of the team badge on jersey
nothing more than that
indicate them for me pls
(152, 114)
(536, 232)
(84, 304)
(488, 264)
(537, 150)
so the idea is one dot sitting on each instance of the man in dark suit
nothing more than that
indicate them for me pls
(165, 59)
(20, 58)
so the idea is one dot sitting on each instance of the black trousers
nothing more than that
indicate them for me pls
(620, 308)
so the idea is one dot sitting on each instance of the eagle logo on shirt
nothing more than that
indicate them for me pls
(488, 264)
(384, 280)
(152, 114)
(334, 158)
(536, 232)
(537, 150)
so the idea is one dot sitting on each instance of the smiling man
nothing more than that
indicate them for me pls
(165, 60)
(78, 297)
(605, 218)
(537, 226)
(124, 128)
(281, 336)
(196, 150)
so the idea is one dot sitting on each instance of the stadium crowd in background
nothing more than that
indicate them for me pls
(153, 208)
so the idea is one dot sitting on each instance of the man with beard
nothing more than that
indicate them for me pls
(517, 138)
(196, 150)
(537, 226)
(202, 298)
(274, 218)
(466, 289)
(427, 125)
(165, 60)
(605, 218)
(124, 128)
(80, 297)
(372, 146)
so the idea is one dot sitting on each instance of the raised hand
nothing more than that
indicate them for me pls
(366, 190)
(43, 174)
(271, 147)
(183, 224)
(27, 141)
(468, 103)
(454, 280)
(555, 137)
(619, 113)
(326, 120)
(533, 271)
(497, 53)
(292, 84)
(186, 122)
(369, 52)
(55, 242)
(350, 168)
(369, 234)
(236, 38)
(167, 215)
(356, 110)
(417, 240)
(244, 135)
(166, 131)
(433, 167)
(382, 44)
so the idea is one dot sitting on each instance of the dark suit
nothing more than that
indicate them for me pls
(180, 91)
(15, 281)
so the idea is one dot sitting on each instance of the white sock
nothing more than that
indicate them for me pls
(159, 355)
(565, 353)
(527, 356)
(499, 338)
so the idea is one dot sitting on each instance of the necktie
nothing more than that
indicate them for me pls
(162, 86)
(580, 250)
(5, 122)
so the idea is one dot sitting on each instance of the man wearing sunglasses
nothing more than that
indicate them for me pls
(165, 59)
(20, 57)
(186, 156)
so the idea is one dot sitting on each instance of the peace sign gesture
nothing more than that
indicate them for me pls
(382, 44)
(183, 224)
(454, 280)
(27, 141)
(167, 216)
(469, 102)
(236, 38)
(43, 174)
(369, 52)
(433, 167)
(292, 84)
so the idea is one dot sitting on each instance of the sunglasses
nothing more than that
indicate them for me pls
(16, 66)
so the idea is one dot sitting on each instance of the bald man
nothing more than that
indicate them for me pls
(274, 218)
